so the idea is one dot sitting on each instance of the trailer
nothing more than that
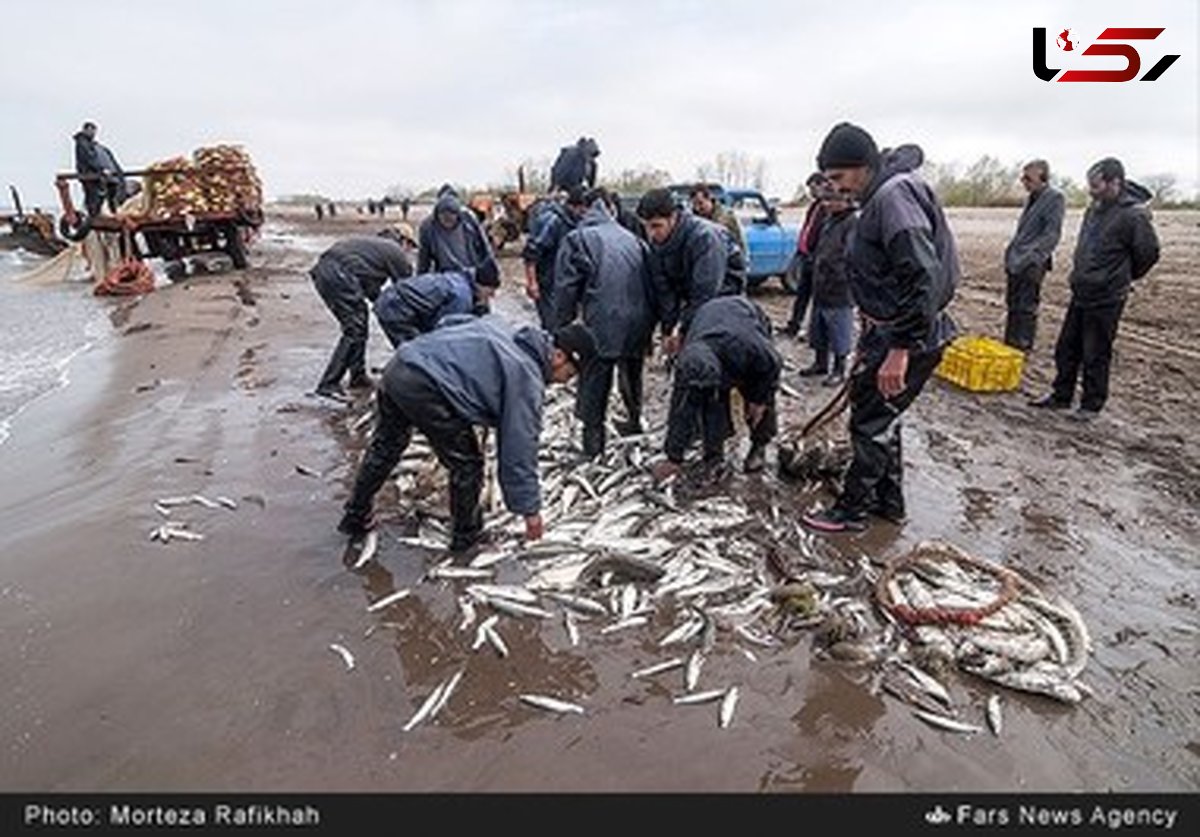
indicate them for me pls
(185, 209)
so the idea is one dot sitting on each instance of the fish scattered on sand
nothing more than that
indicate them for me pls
(994, 718)
(728, 704)
(700, 697)
(389, 599)
(366, 550)
(551, 703)
(344, 653)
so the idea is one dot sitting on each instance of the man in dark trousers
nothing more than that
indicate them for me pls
(451, 238)
(416, 305)
(553, 221)
(691, 261)
(575, 167)
(1028, 256)
(103, 179)
(903, 272)
(802, 259)
(601, 268)
(448, 382)
(1117, 245)
(347, 276)
(728, 346)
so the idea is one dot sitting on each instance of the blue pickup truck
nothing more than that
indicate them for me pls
(770, 244)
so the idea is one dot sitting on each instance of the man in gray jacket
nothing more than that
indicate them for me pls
(447, 382)
(601, 267)
(1117, 245)
(1028, 255)
(415, 306)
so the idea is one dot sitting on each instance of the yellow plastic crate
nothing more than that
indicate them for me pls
(981, 364)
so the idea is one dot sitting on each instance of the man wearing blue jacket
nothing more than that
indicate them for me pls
(547, 229)
(601, 269)
(727, 347)
(415, 306)
(691, 261)
(451, 238)
(447, 382)
(903, 269)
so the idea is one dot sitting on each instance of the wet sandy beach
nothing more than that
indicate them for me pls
(136, 666)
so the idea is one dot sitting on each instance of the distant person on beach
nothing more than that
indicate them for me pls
(445, 384)
(727, 347)
(903, 271)
(348, 275)
(1116, 247)
(405, 203)
(418, 304)
(451, 238)
(332, 209)
(102, 178)
(1028, 255)
(575, 167)
(320, 210)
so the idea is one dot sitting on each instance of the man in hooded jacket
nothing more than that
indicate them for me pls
(103, 176)
(601, 269)
(1117, 246)
(903, 269)
(727, 347)
(448, 382)
(416, 305)
(451, 238)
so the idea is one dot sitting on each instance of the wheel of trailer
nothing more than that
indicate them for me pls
(75, 233)
(235, 246)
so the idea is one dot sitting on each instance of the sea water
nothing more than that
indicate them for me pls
(42, 328)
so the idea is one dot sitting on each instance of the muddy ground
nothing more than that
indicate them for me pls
(130, 665)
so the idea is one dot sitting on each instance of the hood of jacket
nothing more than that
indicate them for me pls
(893, 161)
(448, 202)
(596, 214)
(536, 343)
(1133, 194)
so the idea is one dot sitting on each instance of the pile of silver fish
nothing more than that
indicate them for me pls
(622, 553)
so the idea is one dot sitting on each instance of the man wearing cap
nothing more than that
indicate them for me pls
(451, 238)
(448, 382)
(554, 220)
(727, 347)
(347, 276)
(691, 261)
(601, 269)
(416, 306)
(903, 271)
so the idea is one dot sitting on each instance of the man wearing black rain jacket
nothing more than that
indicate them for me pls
(903, 269)
(1117, 245)
(728, 346)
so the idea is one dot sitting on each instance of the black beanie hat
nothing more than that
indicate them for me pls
(847, 146)
(579, 344)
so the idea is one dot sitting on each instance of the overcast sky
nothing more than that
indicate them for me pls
(346, 97)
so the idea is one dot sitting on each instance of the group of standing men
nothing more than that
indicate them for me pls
(877, 242)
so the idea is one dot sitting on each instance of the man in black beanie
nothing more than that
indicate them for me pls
(903, 271)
